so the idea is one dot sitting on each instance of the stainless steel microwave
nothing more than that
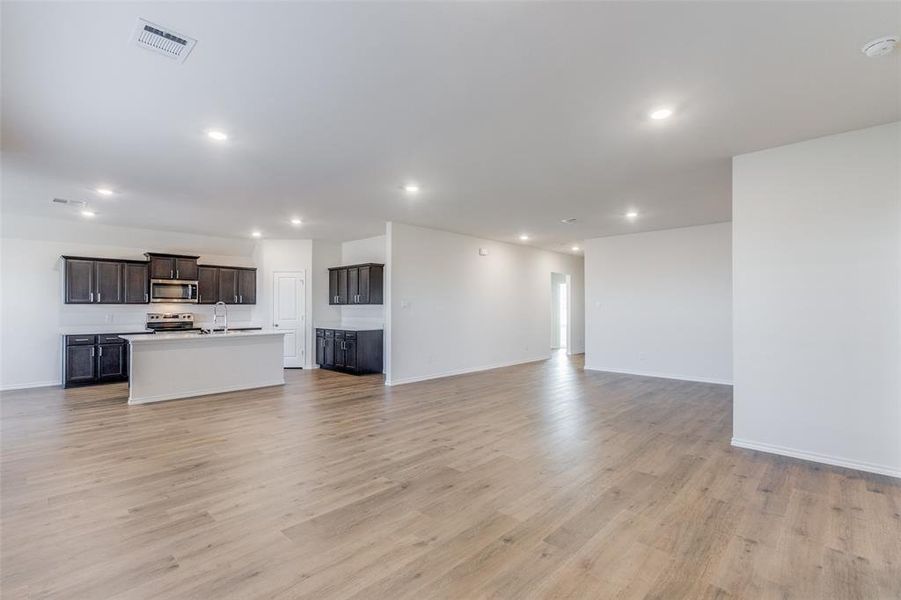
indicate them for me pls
(173, 290)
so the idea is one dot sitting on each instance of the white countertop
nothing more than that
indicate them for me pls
(350, 326)
(169, 337)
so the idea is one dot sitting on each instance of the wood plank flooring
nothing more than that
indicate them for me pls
(534, 481)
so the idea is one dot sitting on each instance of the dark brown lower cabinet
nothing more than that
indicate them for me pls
(355, 352)
(94, 358)
(79, 365)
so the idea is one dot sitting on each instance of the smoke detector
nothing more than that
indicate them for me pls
(880, 46)
(162, 40)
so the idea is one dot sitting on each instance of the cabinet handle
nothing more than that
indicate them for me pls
(92, 296)
(101, 350)
(170, 274)
(92, 351)
(199, 297)
(146, 299)
(241, 299)
(176, 273)
(236, 299)
(98, 296)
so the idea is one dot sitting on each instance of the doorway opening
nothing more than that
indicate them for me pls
(560, 312)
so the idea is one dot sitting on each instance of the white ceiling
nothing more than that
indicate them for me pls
(511, 116)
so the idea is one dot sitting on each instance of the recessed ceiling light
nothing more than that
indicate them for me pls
(880, 46)
(295, 221)
(632, 214)
(659, 114)
(256, 234)
(575, 248)
(87, 213)
(523, 237)
(411, 188)
(104, 191)
(215, 134)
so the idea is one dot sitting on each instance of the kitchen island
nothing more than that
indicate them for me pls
(166, 366)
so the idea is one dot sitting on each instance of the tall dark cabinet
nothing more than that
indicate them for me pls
(356, 284)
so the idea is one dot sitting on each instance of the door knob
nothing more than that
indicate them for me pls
(275, 324)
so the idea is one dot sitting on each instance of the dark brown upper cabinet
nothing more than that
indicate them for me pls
(96, 281)
(172, 266)
(356, 284)
(207, 285)
(137, 283)
(79, 280)
(232, 285)
(247, 286)
(228, 285)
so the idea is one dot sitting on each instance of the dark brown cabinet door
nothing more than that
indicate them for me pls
(333, 286)
(108, 285)
(79, 364)
(339, 352)
(353, 286)
(162, 267)
(329, 352)
(247, 286)
(186, 268)
(228, 286)
(363, 286)
(350, 354)
(136, 283)
(112, 362)
(207, 285)
(342, 286)
(320, 346)
(79, 281)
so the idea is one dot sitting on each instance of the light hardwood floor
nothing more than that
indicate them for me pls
(534, 481)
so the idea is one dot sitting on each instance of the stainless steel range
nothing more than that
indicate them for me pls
(161, 322)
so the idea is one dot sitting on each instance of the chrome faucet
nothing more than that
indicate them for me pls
(224, 316)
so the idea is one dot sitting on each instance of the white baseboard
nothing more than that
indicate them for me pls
(203, 392)
(462, 371)
(818, 458)
(28, 386)
(662, 375)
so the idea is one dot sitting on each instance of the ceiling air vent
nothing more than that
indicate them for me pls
(75, 203)
(157, 38)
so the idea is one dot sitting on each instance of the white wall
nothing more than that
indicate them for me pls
(292, 256)
(660, 303)
(32, 313)
(817, 270)
(325, 255)
(450, 310)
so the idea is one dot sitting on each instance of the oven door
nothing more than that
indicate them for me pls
(173, 290)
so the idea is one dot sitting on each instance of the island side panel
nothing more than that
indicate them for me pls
(183, 368)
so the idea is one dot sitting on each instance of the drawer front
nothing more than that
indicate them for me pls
(80, 340)
(109, 338)
(339, 335)
(329, 333)
(320, 333)
(350, 335)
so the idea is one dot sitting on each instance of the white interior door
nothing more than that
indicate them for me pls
(288, 312)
